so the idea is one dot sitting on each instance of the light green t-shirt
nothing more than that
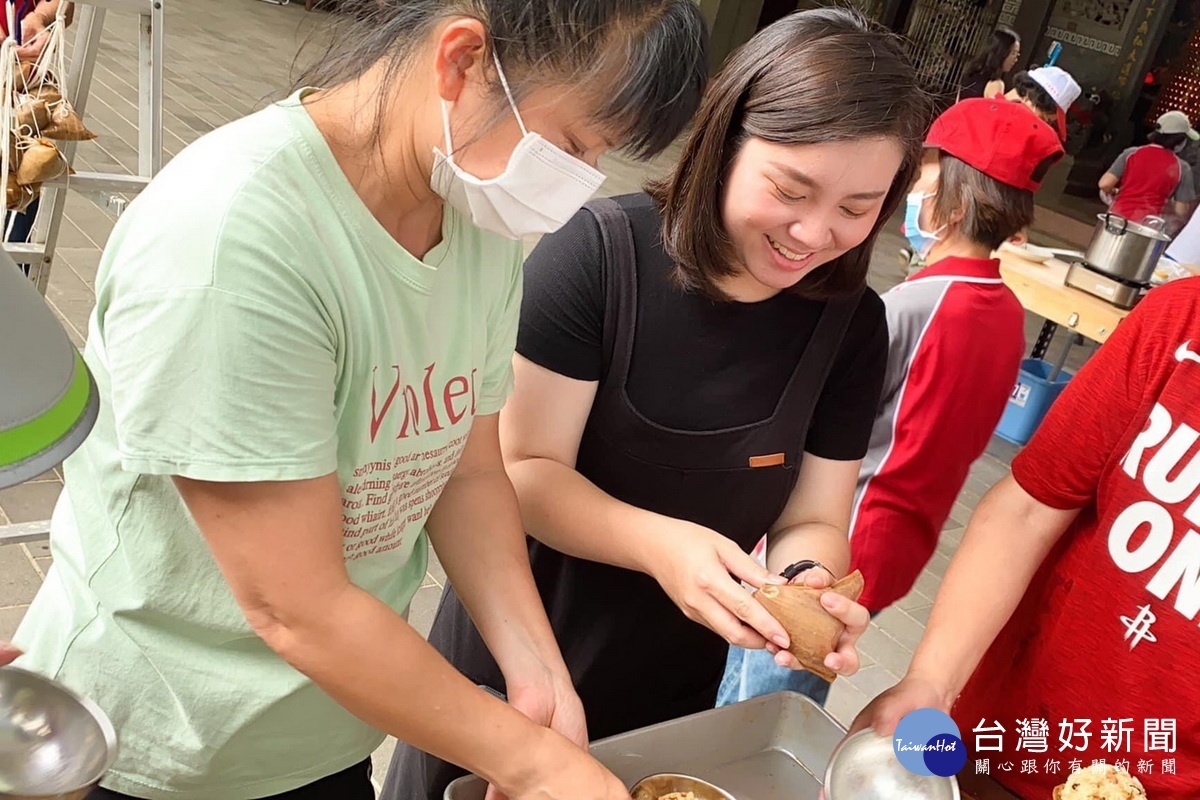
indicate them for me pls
(254, 322)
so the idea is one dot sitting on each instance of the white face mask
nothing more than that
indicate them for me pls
(540, 189)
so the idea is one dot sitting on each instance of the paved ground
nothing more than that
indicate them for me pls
(229, 57)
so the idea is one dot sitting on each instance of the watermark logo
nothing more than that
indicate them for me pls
(927, 742)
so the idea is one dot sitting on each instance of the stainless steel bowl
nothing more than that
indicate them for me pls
(53, 743)
(655, 786)
(864, 767)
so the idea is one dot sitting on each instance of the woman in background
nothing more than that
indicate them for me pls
(984, 76)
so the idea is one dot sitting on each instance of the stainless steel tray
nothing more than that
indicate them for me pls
(769, 748)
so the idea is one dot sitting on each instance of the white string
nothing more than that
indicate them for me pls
(446, 128)
(9, 68)
(508, 93)
(53, 55)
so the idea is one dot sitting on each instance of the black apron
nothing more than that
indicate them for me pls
(634, 658)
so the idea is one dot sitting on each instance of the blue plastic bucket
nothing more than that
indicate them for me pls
(1031, 398)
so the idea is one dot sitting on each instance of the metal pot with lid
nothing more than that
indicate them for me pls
(1127, 250)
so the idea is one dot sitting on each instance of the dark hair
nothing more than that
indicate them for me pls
(646, 61)
(989, 65)
(992, 211)
(1171, 141)
(1029, 89)
(827, 75)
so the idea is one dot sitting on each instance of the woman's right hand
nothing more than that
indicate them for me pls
(8, 653)
(885, 711)
(561, 770)
(700, 569)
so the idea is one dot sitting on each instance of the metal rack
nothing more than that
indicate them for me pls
(109, 189)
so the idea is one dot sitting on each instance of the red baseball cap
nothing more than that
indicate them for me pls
(1001, 139)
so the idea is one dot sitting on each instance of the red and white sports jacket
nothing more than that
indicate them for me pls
(956, 337)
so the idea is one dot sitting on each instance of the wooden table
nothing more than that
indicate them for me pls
(1041, 289)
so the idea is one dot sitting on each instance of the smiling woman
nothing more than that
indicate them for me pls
(789, 209)
(813, 154)
(697, 366)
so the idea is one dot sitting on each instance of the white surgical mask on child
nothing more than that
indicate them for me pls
(922, 241)
(540, 189)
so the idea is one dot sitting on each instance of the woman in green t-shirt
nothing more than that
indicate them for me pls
(302, 340)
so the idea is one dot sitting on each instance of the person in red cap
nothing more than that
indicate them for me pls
(956, 337)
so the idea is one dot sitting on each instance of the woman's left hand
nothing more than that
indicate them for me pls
(844, 658)
(549, 700)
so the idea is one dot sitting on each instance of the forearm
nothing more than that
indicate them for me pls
(368, 659)
(1006, 541)
(47, 9)
(476, 531)
(818, 541)
(568, 512)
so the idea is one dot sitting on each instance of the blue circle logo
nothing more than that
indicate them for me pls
(927, 742)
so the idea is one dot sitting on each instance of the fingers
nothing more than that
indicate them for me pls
(8, 653)
(844, 661)
(864, 720)
(494, 794)
(738, 602)
(886, 721)
(872, 717)
(815, 578)
(785, 659)
(745, 568)
(883, 713)
(725, 623)
(855, 617)
(32, 49)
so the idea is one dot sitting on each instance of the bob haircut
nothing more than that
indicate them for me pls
(827, 75)
(992, 211)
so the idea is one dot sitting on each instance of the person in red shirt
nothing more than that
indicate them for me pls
(1073, 600)
(947, 382)
(1145, 178)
